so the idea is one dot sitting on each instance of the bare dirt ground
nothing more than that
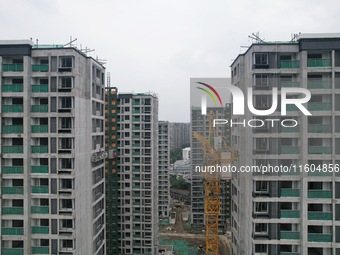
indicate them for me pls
(195, 237)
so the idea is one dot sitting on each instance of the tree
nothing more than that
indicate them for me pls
(175, 154)
(178, 182)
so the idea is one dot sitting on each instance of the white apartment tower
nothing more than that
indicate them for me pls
(138, 169)
(52, 150)
(289, 213)
(163, 169)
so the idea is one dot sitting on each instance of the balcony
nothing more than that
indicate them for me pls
(319, 150)
(40, 230)
(12, 169)
(289, 63)
(12, 108)
(318, 106)
(135, 128)
(39, 68)
(320, 173)
(319, 62)
(40, 250)
(39, 108)
(39, 149)
(290, 214)
(319, 237)
(14, 190)
(38, 88)
(12, 251)
(12, 129)
(12, 67)
(12, 88)
(295, 235)
(290, 84)
(39, 129)
(320, 216)
(135, 111)
(319, 128)
(12, 231)
(39, 209)
(13, 149)
(39, 169)
(135, 119)
(315, 193)
(13, 210)
(40, 189)
(290, 129)
(285, 192)
(289, 253)
(323, 84)
(290, 150)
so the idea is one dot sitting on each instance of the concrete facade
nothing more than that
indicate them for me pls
(52, 150)
(287, 212)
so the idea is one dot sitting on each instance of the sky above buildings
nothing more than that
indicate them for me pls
(158, 45)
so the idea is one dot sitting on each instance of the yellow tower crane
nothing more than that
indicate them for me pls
(216, 153)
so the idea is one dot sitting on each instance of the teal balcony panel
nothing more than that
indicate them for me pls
(319, 62)
(12, 108)
(12, 88)
(320, 216)
(40, 189)
(39, 128)
(39, 88)
(319, 128)
(39, 68)
(290, 214)
(12, 129)
(319, 237)
(39, 108)
(292, 235)
(289, 63)
(13, 149)
(12, 231)
(12, 169)
(12, 67)
(13, 210)
(320, 193)
(290, 150)
(39, 169)
(39, 149)
(13, 190)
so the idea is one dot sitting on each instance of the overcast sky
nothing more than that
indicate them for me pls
(157, 45)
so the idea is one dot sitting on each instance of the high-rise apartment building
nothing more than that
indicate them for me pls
(163, 169)
(200, 124)
(289, 212)
(111, 171)
(138, 169)
(179, 135)
(52, 150)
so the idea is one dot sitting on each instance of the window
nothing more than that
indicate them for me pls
(261, 186)
(261, 60)
(261, 207)
(65, 82)
(66, 224)
(261, 228)
(66, 62)
(261, 249)
(261, 80)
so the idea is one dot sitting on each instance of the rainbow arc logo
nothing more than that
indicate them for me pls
(209, 90)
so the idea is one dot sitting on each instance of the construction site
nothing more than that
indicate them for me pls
(210, 239)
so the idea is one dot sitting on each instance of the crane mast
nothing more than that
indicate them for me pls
(216, 152)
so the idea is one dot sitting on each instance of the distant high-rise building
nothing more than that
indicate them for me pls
(163, 169)
(289, 212)
(52, 150)
(111, 172)
(138, 170)
(200, 124)
(179, 135)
